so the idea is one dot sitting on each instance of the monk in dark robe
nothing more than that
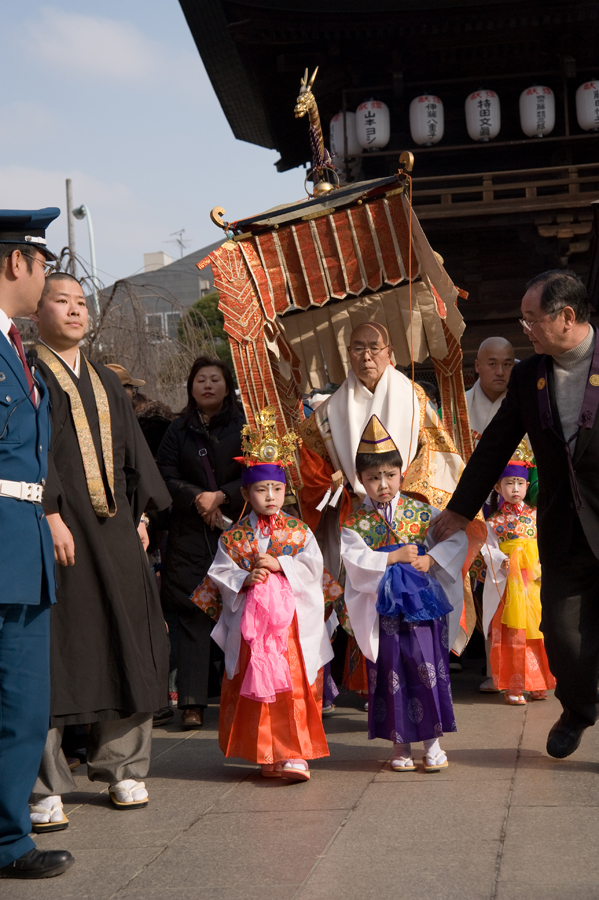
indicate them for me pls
(108, 646)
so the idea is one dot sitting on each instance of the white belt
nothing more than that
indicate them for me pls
(22, 490)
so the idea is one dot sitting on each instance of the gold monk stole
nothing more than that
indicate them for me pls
(95, 485)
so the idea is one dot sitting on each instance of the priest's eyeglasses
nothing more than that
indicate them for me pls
(360, 350)
(528, 326)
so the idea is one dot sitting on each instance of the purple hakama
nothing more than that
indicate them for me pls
(409, 692)
(330, 692)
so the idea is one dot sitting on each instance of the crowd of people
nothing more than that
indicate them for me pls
(150, 556)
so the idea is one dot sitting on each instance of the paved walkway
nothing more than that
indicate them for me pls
(504, 822)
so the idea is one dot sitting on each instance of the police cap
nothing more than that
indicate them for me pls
(27, 226)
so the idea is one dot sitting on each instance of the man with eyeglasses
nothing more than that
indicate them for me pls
(27, 557)
(331, 436)
(554, 397)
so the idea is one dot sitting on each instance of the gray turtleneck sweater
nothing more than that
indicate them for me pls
(571, 370)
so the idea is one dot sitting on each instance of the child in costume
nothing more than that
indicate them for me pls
(269, 571)
(404, 596)
(509, 566)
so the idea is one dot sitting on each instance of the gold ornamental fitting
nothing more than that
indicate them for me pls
(216, 215)
(406, 161)
(594, 380)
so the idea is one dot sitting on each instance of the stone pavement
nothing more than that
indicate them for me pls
(504, 822)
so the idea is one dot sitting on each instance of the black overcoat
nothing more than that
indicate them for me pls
(108, 646)
(557, 511)
(191, 544)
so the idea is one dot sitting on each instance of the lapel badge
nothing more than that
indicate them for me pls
(2, 376)
(594, 380)
(541, 383)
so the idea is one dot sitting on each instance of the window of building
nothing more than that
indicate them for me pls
(155, 324)
(172, 323)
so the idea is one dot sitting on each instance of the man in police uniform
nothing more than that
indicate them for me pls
(27, 554)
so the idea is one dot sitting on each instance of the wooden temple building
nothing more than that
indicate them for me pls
(499, 211)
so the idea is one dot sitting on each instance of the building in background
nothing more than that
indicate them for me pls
(498, 101)
(166, 287)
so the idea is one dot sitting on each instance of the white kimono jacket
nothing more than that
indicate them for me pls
(365, 568)
(304, 574)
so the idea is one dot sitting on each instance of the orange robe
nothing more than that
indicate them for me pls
(289, 728)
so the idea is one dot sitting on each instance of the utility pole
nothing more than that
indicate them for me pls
(72, 267)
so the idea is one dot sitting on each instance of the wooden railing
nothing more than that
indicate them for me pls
(518, 190)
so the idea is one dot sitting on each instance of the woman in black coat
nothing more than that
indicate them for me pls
(196, 460)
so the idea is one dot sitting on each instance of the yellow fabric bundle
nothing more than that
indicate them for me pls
(522, 597)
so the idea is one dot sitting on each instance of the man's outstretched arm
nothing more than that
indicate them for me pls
(500, 439)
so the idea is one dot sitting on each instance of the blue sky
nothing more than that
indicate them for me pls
(115, 96)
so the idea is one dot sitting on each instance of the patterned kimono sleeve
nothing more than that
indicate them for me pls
(478, 569)
(229, 578)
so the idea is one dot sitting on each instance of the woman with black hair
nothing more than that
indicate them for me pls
(197, 461)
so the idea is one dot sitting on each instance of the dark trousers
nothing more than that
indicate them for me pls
(570, 626)
(24, 715)
(195, 653)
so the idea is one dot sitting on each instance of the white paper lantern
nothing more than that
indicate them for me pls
(587, 105)
(373, 125)
(483, 115)
(537, 111)
(427, 121)
(338, 138)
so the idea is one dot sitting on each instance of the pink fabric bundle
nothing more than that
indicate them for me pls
(267, 615)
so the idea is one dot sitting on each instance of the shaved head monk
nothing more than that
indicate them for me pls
(493, 364)
(331, 435)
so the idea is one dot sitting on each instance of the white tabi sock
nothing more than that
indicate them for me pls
(433, 751)
(46, 810)
(402, 753)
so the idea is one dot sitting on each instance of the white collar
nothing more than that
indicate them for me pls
(76, 369)
(5, 323)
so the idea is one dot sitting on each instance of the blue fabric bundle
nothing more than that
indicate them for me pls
(411, 595)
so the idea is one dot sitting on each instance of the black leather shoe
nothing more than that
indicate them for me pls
(39, 864)
(163, 716)
(565, 736)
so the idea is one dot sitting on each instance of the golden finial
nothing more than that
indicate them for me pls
(523, 454)
(262, 443)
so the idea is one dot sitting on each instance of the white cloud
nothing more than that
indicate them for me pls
(98, 47)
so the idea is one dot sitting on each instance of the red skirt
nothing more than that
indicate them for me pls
(289, 728)
(517, 663)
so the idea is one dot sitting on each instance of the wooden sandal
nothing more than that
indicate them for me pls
(121, 794)
(538, 695)
(435, 766)
(515, 699)
(397, 766)
(295, 770)
(45, 827)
